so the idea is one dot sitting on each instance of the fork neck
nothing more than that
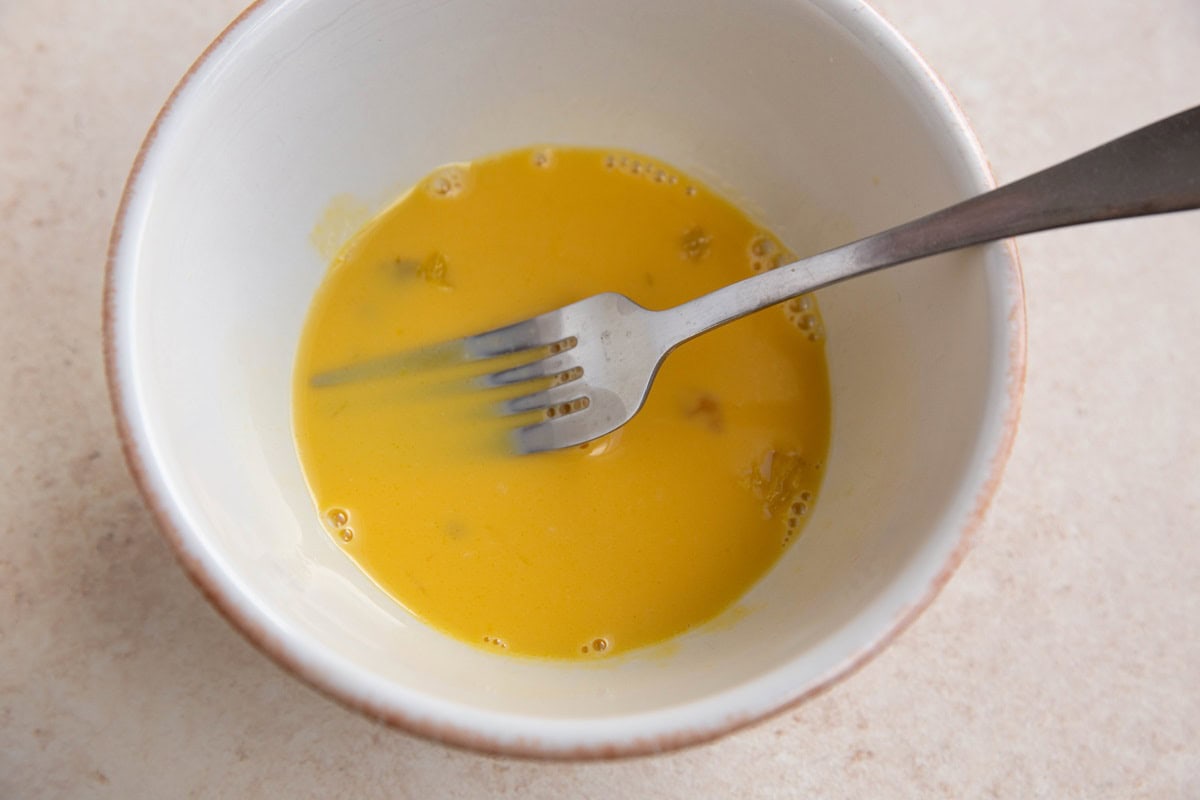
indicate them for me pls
(1153, 170)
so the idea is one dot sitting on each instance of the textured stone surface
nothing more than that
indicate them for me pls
(1061, 661)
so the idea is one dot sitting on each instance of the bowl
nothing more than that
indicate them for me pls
(812, 114)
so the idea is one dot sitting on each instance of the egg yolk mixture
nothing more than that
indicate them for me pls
(579, 553)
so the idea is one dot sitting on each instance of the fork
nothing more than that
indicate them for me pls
(600, 355)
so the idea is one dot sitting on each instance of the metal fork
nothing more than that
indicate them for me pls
(600, 355)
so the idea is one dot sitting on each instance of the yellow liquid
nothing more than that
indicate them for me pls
(600, 549)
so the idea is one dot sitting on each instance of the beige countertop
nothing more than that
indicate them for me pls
(1063, 660)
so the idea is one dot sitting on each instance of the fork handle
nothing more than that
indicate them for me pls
(1151, 171)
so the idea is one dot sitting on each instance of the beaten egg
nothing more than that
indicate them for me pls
(581, 553)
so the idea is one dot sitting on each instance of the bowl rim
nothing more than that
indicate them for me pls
(288, 653)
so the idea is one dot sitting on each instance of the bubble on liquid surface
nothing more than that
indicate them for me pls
(599, 644)
(346, 534)
(337, 517)
(796, 512)
(800, 305)
(780, 478)
(695, 243)
(802, 312)
(543, 158)
(764, 253)
(643, 169)
(447, 182)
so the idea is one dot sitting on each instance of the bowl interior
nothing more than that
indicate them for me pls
(814, 116)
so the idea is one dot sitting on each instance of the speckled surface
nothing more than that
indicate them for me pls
(1061, 661)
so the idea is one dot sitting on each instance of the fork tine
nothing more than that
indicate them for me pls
(535, 438)
(542, 368)
(530, 334)
(559, 400)
(514, 338)
(435, 356)
(567, 431)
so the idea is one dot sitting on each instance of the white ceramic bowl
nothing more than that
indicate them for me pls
(815, 115)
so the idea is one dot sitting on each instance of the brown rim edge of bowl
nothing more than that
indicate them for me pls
(456, 736)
